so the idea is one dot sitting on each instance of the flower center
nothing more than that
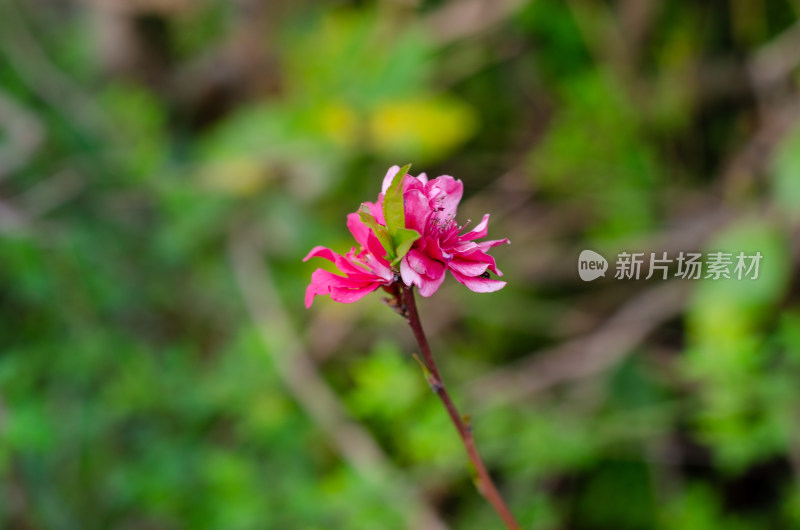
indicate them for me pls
(441, 227)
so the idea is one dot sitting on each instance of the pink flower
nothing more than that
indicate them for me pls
(365, 270)
(430, 209)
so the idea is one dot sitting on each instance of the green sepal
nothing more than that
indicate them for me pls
(380, 231)
(393, 212)
(403, 239)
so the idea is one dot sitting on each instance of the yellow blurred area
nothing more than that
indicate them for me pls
(421, 128)
(238, 176)
(340, 124)
(428, 128)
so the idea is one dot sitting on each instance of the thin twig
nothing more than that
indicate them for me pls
(485, 484)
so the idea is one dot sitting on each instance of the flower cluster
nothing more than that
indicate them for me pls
(409, 234)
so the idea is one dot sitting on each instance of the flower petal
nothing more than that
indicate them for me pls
(377, 266)
(467, 268)
(341, 263)
(475, 256)
(479, 284)
(425, 265)
(356, 269)
(322, 282)
(485, 245)
(387, 180)
(366, 237)
(434, 249)
(311, 292)
(444, 194)
(357, 227)
(429, 286)
(477, 232)
(342, 289)
(417, 210)
(321, 252)
(409, 275)
(350, 295)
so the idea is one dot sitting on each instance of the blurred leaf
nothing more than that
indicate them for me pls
(388, 385)
(728, 351)
(786, 174)
(698, 508)
(422, 129)
(579, 159)
(356, 58)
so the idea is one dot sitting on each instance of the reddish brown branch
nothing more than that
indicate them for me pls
(485, 484)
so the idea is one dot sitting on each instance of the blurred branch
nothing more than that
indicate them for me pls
(754, 157)
(687, 230)
(776, 60)
(133, 44)
(23, 135)
(12, 221)
(139, 6)
(301, 377)
(585, 356)
(769, 68)
(19, 215)
(29, 59)
(507, 194)
(467, 18)
(605, 41)
(243, 65)
(328, 330)
(636, 22)
(50, 193)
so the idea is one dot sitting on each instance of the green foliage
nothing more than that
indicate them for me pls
(380, 231)
(698, 508)
(393, 211)
(613, 173)
(364, 86)
(394, 214)
(786, 174)
(745, 394)
(386, 386)
(139, 390)
(617, 494)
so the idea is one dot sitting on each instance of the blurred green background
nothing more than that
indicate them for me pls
(166, 164)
